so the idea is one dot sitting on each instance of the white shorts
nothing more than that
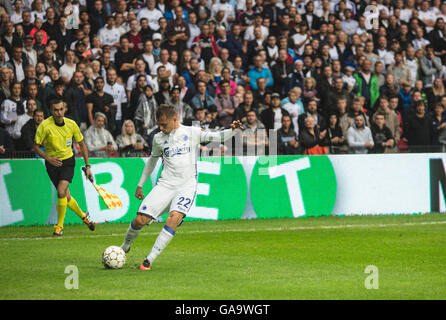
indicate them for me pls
(162, 199)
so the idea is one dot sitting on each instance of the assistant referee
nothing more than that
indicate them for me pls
(56, 134)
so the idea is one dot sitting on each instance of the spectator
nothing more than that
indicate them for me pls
(285, 77)
(12, 107)
(359, 136)
(202, 98)
(367, 85)
(130, 143)
(438, 124)
(259, 72)
(185, 112)
(75, 96)
(226, 104)
(246, 106)
(335, 136)
(287, 138)
(430, 67)
(400, 71)
(382, 136)
(16, 133)
(117, 91)
(294, 106)
(18, 62)
(417, 129)
(272, 116)
(100, 101)
(391, 121)
(311, 139)
(207, 43)
(99, 141)
(226, 75)
(145, 115)
(28, 131)
(312, 110)
(255, 139)
(125, 59)
(6, 144)
(151, 13)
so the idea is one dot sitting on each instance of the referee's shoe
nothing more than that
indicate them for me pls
(90, 224)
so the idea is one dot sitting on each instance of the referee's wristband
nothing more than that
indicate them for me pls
(87, 166)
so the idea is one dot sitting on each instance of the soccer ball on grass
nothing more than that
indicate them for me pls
(113, 257)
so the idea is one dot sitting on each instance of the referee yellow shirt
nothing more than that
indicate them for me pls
(58, 139)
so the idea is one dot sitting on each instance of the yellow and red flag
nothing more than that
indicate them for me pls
(111, 200)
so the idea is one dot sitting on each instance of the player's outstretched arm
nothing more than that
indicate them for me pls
(221, 136)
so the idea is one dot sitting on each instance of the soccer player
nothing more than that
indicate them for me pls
(56, 134)
(175, 190)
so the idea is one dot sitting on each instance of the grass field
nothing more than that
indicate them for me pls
(307, 258)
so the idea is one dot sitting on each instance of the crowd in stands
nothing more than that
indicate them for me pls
(315, 74)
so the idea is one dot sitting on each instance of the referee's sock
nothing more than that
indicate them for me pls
(165, 236)
(61, 210)
(72, 204)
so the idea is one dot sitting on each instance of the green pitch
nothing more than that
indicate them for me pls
(308, 258)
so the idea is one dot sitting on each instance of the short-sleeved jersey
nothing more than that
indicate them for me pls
(58, 139)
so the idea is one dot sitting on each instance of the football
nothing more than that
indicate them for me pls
(113, 257)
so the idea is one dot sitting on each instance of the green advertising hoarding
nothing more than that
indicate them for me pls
(228, 188)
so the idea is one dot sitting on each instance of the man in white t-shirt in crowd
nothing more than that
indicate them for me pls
(152, 14)
(109, 35)
(171, 70)
(67, 69)
(227, 8)
(427, 16)
(117, 91)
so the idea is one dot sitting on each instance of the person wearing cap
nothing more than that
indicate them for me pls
(272, 116)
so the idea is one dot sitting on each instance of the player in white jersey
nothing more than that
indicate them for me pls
(175, 190)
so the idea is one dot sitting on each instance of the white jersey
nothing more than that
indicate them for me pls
(179, 152)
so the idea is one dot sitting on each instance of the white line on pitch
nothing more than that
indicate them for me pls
(346, 226)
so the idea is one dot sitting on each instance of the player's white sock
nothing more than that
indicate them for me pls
(130, 236)
(161, 242)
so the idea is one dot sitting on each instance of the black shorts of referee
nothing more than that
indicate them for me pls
(64, 172)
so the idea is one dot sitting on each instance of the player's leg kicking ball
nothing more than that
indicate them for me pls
(151, 208)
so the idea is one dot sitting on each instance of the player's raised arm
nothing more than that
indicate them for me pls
(220, 136)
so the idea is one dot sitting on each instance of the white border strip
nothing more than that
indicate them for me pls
(346, 226)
